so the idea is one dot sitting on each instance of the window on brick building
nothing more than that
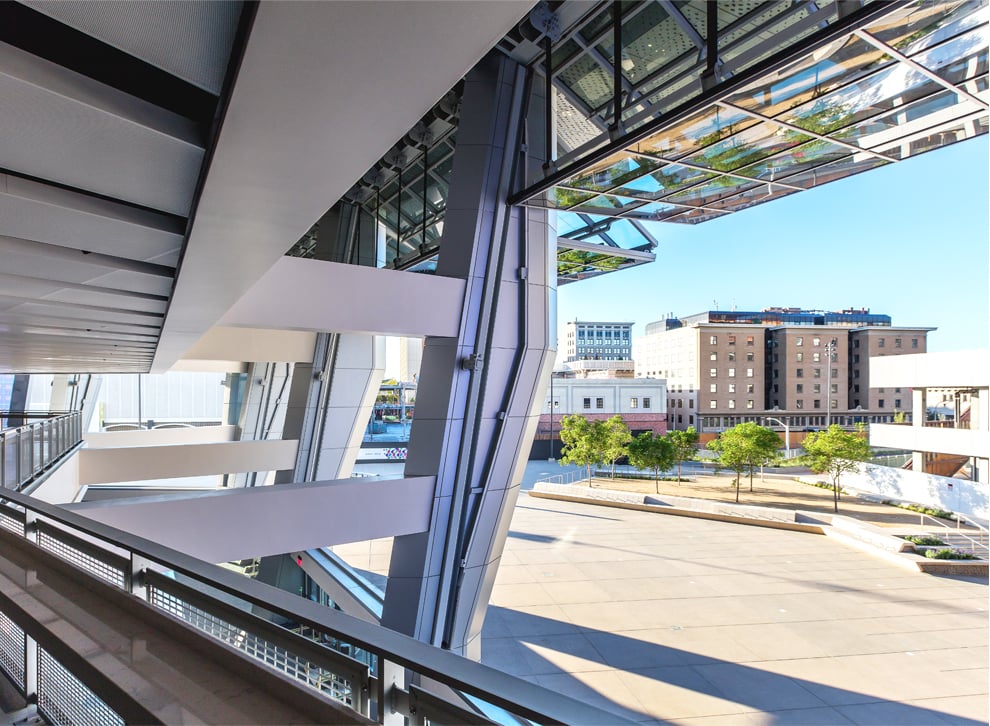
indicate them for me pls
(599, 403)
(646, 403)
(587, 403)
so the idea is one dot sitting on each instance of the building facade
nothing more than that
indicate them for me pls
(597, 341)
(804, 368)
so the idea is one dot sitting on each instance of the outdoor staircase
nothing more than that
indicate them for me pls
(971, 540)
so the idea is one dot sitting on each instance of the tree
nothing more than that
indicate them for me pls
(648, 451)
(835, 452)
(615, 437)
(582, 441)
(682, 445)
(745, 447)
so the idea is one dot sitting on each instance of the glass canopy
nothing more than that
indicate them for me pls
(692, 142)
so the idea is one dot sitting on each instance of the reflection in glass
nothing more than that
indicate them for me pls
(813, 153)
(892, 86)
(698, 131)
(613, 171)
(607, 203)
(747, 147)
(823, 71)
(924, 24)
(959, 59)
(666, 181)
(852, 164)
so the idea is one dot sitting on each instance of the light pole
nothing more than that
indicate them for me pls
(787, 435)
(829, 352)
(551, 418)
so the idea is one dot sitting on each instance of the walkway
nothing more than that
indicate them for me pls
(670, 619)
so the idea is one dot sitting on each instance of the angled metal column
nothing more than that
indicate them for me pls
(263, 411)
(330, 403)
(331, 399)
(479, 394)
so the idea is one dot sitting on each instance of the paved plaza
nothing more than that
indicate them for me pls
(670, 619)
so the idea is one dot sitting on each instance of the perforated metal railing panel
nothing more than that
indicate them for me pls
(9, 522)
(12, 650)
(92, 564)
(64, 699)
(277, 657)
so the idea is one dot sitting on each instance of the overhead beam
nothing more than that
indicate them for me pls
(301, 294)
(236, 524)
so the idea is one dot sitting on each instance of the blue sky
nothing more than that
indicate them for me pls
(909, 240)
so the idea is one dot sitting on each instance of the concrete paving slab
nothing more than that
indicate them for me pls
(690, 621)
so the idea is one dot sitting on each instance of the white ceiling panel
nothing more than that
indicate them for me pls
(66, 128)
(191, 40)
(35, 211)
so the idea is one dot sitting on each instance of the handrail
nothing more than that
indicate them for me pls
(29, 450)
(976, 544)
(493, 686)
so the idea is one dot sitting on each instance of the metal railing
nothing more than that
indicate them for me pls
(977, 547)
(380, 674)
(28, 450)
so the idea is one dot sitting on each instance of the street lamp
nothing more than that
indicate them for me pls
(787, 435)
(551, 418)
(829, 352)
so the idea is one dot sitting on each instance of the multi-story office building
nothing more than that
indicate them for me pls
(597, 341)
(807, 368)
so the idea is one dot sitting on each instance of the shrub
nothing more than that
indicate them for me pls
(924, 540)
(948, 554)
(922, 509)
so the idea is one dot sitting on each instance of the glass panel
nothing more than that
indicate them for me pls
(588, 81)
(701, 130)
(924, 24)
(560, 198)
(577, 264)
(563, 52)
(613, 171)
(711, 192)
(599, 24)
(840, 169)
(666, 181)
(574, 129)
(654, 212)
(767, 13)
(668, 83)
(752, 197)
(959, 59)
(876, 132)
(697, 216)
(814, 76)
(607, 203)
(756, 43)
(814, 153)
(937, 138)
(747, 147)
(650, 39)
(893, 86)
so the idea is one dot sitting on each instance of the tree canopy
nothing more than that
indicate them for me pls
(615, 437)
(583, 444)
(682, 445)
(835, 452)
(648, 451)
(745, 447)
